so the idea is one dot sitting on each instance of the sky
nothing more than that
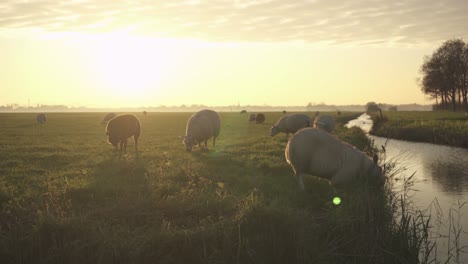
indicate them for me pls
(109, 53)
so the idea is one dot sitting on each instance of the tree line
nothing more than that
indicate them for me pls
(445, 76)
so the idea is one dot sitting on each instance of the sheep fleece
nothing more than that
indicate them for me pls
(291, 123)
(315, 152)
(325, 122)
(203, 125)
(122, 127)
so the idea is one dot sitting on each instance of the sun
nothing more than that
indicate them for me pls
(130, 66)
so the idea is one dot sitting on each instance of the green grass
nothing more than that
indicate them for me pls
(439, 127)
(67, 197)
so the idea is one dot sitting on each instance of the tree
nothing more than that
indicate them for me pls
(372, 107)
(445, 74)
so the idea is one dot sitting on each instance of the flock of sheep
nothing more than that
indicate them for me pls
(312, 150)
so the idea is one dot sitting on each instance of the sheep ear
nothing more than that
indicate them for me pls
(375, 158)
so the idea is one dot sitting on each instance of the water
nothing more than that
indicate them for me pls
(440, 182)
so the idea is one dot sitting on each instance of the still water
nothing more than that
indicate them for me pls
(440, 185)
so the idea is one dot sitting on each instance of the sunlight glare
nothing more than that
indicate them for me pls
(131, 66)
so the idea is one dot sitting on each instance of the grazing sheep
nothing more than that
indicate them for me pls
(259, 118)
(201, 126)
(324, 122)
(338, 112)
(243, 111)
(41, 118)
(290, 124)
(284, 112)
(252, 117)
(120, 128)
(107, 117)
(314, 152)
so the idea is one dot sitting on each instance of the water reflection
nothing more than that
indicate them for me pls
(441, 178)
(363, 121)
(445, 166)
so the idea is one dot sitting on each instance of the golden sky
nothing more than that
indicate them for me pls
(148, 53)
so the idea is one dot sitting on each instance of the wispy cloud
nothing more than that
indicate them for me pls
(333, 21)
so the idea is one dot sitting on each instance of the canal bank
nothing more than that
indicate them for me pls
(438, 187)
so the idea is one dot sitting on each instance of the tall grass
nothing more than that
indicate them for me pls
(440, 127)
(66, 197)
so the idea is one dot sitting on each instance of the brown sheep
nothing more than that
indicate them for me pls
(41, 118)
(259, 118)
(120, 128)
(201, 126)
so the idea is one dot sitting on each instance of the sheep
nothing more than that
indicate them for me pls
(144, 113)
(252, 117)
(312, 151)
(290, 124)
(41, 118)
(107, 117)
(324, 122)
(120, 128)
(243, 111)
(259, 118)
(201, 126)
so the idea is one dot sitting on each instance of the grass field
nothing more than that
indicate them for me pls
(67, 197)
(439, 127)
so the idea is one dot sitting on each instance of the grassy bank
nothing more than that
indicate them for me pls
(441, 127)
(66, 197)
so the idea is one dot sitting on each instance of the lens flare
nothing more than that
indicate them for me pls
(336, 200)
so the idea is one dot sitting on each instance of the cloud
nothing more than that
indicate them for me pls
(333, 21)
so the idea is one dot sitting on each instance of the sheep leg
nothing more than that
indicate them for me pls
(125, 144)
(206, 144)
(136, 142)
(214, 141)
(300, 180)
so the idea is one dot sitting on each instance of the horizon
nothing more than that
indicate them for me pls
(220, 108)
(197, 52)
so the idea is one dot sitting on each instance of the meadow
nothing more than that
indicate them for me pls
(67, 197)
(438, 127)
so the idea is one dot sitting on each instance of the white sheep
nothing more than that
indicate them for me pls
(201, 126)
(41, 118)
(315, 152)
(324, 122)
(291, 124)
